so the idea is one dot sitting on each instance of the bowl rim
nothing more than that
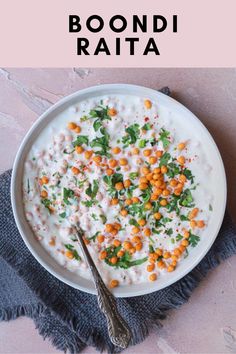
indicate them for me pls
(36, 125)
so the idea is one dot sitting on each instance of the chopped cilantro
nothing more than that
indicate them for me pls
(151, 249)
(100, 112)
(193, 239)
(169, 232)
(94, 216)
(179, 237)
(188, 175)
(146, 126)
(102, 142)
(111, 181)
(91, 191)
(164, 135)
(93, 238)
(67, 193)
(173, 170)
(133, 222)
(142, 143)
(81, 139)
(84, 118)
(103, 218)
(63, 215)
(89, 203)
(186, 199)
(210, 207)
(184, 218)
(133, 175)
(146, 195)
(130, 191)
(75, 253)
(164, 159)
(97, 124)
(47, 203)
(155, 231)
(68, 152)
(132, 136)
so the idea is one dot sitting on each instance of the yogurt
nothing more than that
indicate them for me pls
(132, 179)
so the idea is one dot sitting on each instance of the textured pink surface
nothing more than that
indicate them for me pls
(207, 323)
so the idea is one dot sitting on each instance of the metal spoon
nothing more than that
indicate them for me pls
(118, 330)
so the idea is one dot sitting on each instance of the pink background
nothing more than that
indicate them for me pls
(207, 323)
(35, 33)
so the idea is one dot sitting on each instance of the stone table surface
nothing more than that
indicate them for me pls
(207, 323)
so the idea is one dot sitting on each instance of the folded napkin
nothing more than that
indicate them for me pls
(70, 318)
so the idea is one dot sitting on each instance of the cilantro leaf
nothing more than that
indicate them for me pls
(133, 222)
(188, 175)
(47, 203)
(133, 175)
(142, 143)
(164, 135)
(93, 238)
(97, 124)
(103, 218)
(184, 218)
(111, 181)
(91, 191)
(63, 215)
(173, 170)
(169, 232)
(102, 142)
(151, 249)
(186, 199)
(100, 112)
(193, 239)
(164, 159)
(89, 203)
(146, 126)
(132, 136)
(72, 249)
(179, 237)
(67, 193)
(81, 139)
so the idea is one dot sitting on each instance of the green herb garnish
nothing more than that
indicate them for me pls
(102, 143)
(133, 132)
(103, 218)
(72, 249)
(67, 193)
(133, 175)
(93, 238)
(164, 135)
(186, 199)
(92, 190)
(47, 203)
(146, 126)
(81, 139)
(188, 175)
(133, 222)
(164, 159)
(142, 143)
(193, 239)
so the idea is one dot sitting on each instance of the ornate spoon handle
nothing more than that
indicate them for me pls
(118, 330)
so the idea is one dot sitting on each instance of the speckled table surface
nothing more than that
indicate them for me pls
(207, 323)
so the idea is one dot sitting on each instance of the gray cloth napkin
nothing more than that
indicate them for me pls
(70, 318)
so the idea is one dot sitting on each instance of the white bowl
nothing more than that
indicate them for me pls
(195, 255)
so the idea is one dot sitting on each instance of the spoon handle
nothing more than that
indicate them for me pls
(118, 330)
